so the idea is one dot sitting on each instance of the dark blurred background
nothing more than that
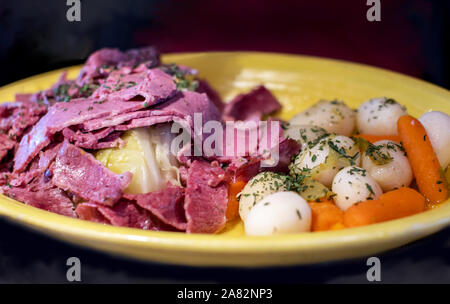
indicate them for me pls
(412, 37)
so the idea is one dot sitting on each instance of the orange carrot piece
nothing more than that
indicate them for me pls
(233, 204)
(325, 215)
(374, 138)
(422, 158)
(338, 226)
(391, 205)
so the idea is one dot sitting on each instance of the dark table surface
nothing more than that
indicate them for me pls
(30, 257)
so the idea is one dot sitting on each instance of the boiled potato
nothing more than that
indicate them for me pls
(333, 116)
(326, 158)
(278, 213)
(305, 135)
(379, 116)
(437, 125)
(353, 185)
(257, 188)
(387, 163)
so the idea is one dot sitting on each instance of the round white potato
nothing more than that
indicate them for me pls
(305, 135)
(353, 185)
(379, 116)
(257, 188)
(388, 165)
(334, 116)
(437, 125)
(323, 162)
(281, 212)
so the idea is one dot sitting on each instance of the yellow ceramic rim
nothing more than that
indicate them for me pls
(229, 250)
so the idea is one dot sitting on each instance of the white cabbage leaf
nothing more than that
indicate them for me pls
(146, 155)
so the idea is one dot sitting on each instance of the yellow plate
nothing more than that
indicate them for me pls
(298, 82)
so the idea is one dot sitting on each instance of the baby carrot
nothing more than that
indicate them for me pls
(422, 158)
(391, 205)
(374, 138)
(233, 203)
(325, 215)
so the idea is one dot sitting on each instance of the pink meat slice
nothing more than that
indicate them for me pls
(206, 198)
(101, 139)
(48, 156)
(80, 173)
(158, 84)
(123, 214)
(6, 144)
(17, 117)
(243, 169)
(251, 106)
(41, 193)
(53, 200)
(114, 57)
(126, 213)
(287, 148)
(204, 87)
(187, 103)
(181, 108)
(166, 205)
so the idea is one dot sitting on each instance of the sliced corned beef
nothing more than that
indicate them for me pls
(249, 139)
(48, 156)
(186, 106)
(126, 213)
(41, 193)
(101, 123)
(150, 86)
(251, 106)
(97, 68)
(24, 97)
(287, 149)
(37, 169)
(17, 117)
(204, 87)
(206, 198)
(6, 144)
(187, 103)
(102, 139)
(133, 57)
(53, 200)
(243, 169)
(80, 173)
(78, 111)
(123, 214)
(180, 108)
(166, 204)
(111, 58)
(89, 212)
